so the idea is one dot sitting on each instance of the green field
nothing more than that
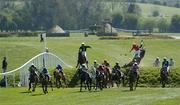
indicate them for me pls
(20, 49)
(72, 96)
(165, 10)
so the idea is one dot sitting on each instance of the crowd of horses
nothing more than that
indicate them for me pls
(95, 80)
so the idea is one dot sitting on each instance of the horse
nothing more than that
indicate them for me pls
(58, 77)
(99, 80)
(107, 77)
(84, 79)
(138, 59)
(133, 79)
(45, 80)
(81, 60)
(33, 80)
(164, 76)
(116, 77)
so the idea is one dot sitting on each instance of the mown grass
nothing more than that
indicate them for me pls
(72, 96)
(19, 50)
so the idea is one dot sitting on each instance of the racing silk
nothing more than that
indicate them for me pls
(116, 68)
(32, 69)
(135, 69)
(45, 72)
(165, 64)
(106, 64)
(101, 69)
(83, 48)
(59, 68)
(135, 47)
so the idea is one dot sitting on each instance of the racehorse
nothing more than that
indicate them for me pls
(81, 60)
(133, 79)
(45, 80)
(99, 80)
(116, 77)
(33, 80)
(85, 79)
(58, 77)
(164, 76)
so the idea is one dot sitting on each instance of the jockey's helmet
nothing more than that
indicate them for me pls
(95, 61)
(134, 44)
(135, 63)
(83, 43)
(165, 58)
(32, 64)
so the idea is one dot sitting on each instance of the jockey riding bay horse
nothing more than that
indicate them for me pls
(58, 77)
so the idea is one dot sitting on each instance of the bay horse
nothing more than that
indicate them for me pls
(164, 76)
(45, 81)
(58, 77)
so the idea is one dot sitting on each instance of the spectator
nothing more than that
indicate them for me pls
(171, 62)
(157, 62)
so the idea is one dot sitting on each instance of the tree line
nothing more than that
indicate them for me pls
(76, 14)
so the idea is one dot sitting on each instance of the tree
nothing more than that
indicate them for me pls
(130, 22)
(134, 9)
(117, 20)
(175, 23)
(148, 24)
(163, 25)
(155, 13)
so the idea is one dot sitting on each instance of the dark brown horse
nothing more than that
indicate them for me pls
(85, 78)
(81, 60)
(33, 80)
(164, 76)
(133, 79)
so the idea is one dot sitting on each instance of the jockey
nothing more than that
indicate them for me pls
(117, 69)
(32, 70)
(59, 68)
(136, 48)
(83, 49)
(105, 63)
(165, 64)
(46, 72)
(84, 68)
(171, 62)
(101, 69)
(135, 68)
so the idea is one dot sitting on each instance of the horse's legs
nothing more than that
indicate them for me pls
(137, 80)
(50, 82)
(81, 86)
(29, 85)
(131, 82)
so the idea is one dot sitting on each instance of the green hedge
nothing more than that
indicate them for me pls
(149, 77)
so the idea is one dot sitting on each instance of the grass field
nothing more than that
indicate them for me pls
(72, 96)
(20, 49)
(169, 11)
